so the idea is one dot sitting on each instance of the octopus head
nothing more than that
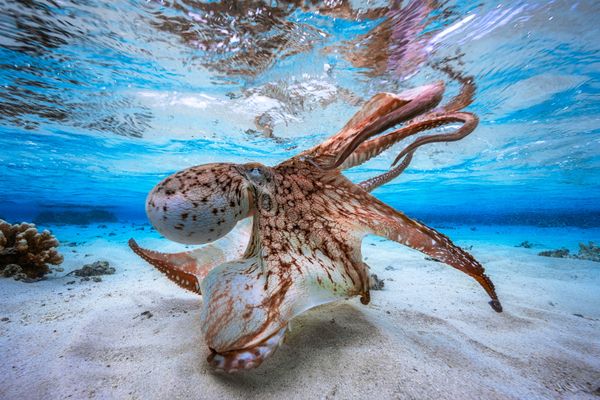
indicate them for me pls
(200, 204)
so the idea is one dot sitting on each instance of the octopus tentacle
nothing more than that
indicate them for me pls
(188, 268)
(376, 181)
(380, 113)
(420, 103)
(375, 108)
(249, 303)
(180, 268)
(469, 121)
(385, 221)
(236, 360)
(379, 144)
(373, 147)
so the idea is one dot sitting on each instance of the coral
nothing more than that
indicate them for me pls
(94, 269)
(15, 271)
(560, 253)
(376, 283)
(590, 252)
(25, 253)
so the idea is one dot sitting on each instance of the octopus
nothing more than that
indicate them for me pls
(300, 225)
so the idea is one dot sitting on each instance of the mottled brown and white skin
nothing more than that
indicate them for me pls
(308, 221)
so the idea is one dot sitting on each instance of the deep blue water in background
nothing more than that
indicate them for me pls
(99, 100)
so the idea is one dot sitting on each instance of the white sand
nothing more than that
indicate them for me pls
(428, 335)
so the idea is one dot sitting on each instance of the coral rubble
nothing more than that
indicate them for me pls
(25, 253)
(94, 270)
(376, 283)
(591, 252)
(560, 253)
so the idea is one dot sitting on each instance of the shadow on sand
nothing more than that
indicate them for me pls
(317, 341)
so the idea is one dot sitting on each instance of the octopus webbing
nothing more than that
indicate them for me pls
(307, 224)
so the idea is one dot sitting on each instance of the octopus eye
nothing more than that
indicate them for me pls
(200, 204)
(257, 174)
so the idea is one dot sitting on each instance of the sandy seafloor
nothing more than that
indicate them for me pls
(428, 335)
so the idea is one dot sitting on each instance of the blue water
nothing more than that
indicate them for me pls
(100, 100)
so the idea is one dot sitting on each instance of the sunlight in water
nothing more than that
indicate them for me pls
(113, 96)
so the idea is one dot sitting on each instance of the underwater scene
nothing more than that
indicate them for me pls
(299, 199)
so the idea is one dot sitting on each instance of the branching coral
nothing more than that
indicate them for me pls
(25, 253)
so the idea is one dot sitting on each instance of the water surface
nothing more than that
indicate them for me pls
(102, 99)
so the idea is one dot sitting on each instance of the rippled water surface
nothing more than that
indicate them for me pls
(101, 99)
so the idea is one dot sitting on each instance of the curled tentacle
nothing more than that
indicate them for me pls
(380, 113)
(376, 146)
(373, 147)
(423, 101)
(469, 121)
(372, 183)
(243, 359)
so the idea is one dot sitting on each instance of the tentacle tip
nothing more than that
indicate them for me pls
(495, 304)
(365, 298)
(132, 243)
